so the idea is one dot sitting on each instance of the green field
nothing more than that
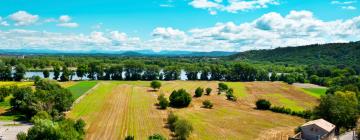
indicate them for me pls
(115, 109)
(81, 87)
(316, 92)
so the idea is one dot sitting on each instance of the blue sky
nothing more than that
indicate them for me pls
(197, 25)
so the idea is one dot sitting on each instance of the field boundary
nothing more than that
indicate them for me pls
(85, 94)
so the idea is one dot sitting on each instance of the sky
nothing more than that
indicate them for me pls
(190, 25)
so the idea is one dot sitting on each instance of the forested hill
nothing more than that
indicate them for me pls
(327, 54)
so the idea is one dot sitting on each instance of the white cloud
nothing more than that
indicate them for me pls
(22, 18)
(68, 25)
(232, 6)
(168, 33)
(268, 31)
(4, 23)
(346, 5)
(64, 18)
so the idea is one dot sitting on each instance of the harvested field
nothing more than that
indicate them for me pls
(281, 94)
(115, 109)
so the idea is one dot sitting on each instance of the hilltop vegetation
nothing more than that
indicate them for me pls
(327, 54)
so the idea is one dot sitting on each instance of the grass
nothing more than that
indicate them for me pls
(12, 83)
(81, 87)
(115, 109)
(239, 89)
(316, 92)
(285, 102)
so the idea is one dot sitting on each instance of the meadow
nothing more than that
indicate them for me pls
(115, 109)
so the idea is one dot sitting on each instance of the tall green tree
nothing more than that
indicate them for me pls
(81, 71)
(20, 71)
(57, 71)
(341, 109)
(46, 73)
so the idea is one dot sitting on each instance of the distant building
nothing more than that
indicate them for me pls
(316, 130)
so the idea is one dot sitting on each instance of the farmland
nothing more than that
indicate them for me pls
(115, 109)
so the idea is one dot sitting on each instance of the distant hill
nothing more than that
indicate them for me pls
(135, 53)
(327, 54)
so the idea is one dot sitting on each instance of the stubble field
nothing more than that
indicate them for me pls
(115, 109)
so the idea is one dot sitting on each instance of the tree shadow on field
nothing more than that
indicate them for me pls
(152, 90)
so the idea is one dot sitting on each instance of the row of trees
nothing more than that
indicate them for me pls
(7, 74)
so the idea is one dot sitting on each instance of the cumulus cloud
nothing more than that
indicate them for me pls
(23, 18)
(64, 18)
(232, 6)
(65, 21)
(168, 33)
(268, 31)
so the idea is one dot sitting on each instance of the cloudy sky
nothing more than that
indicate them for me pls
(194, 25)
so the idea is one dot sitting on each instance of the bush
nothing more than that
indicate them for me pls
(263, 104)
(157, 137)
(129, 138)
(199, 91)
(163, 102)
(208, 91)
(230, 95)
(222, 87)
(172, 118)
(207, 104)
(183, 129)
(304, 114)
(155, 84)
(4, 92)
(180, 98)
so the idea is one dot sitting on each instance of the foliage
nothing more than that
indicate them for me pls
(172, 118)
(46, 84)
(230, 95)
(304, 114)
(263, 104)
(222, 87)
(180, 98)
(163, 102)
(57, 71)
(183, 129)
(129, 138)
(207, 104)
(48, 97)
(155, 84)
(335, 107)
(208, 91)
(199, 91)
(47, 129)
(157, 137)
(19, 74)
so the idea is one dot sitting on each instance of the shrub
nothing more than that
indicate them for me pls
(263, 104)
(207, 104)
(172, 118)
(222, 87)
(180, 98)
(129, 138)
(304, 114)
(155, 84)
(183, 129)
(163, 102)
(230, 95)
(199, 91)
(157, 137)
(208, 91)
(42, 115)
